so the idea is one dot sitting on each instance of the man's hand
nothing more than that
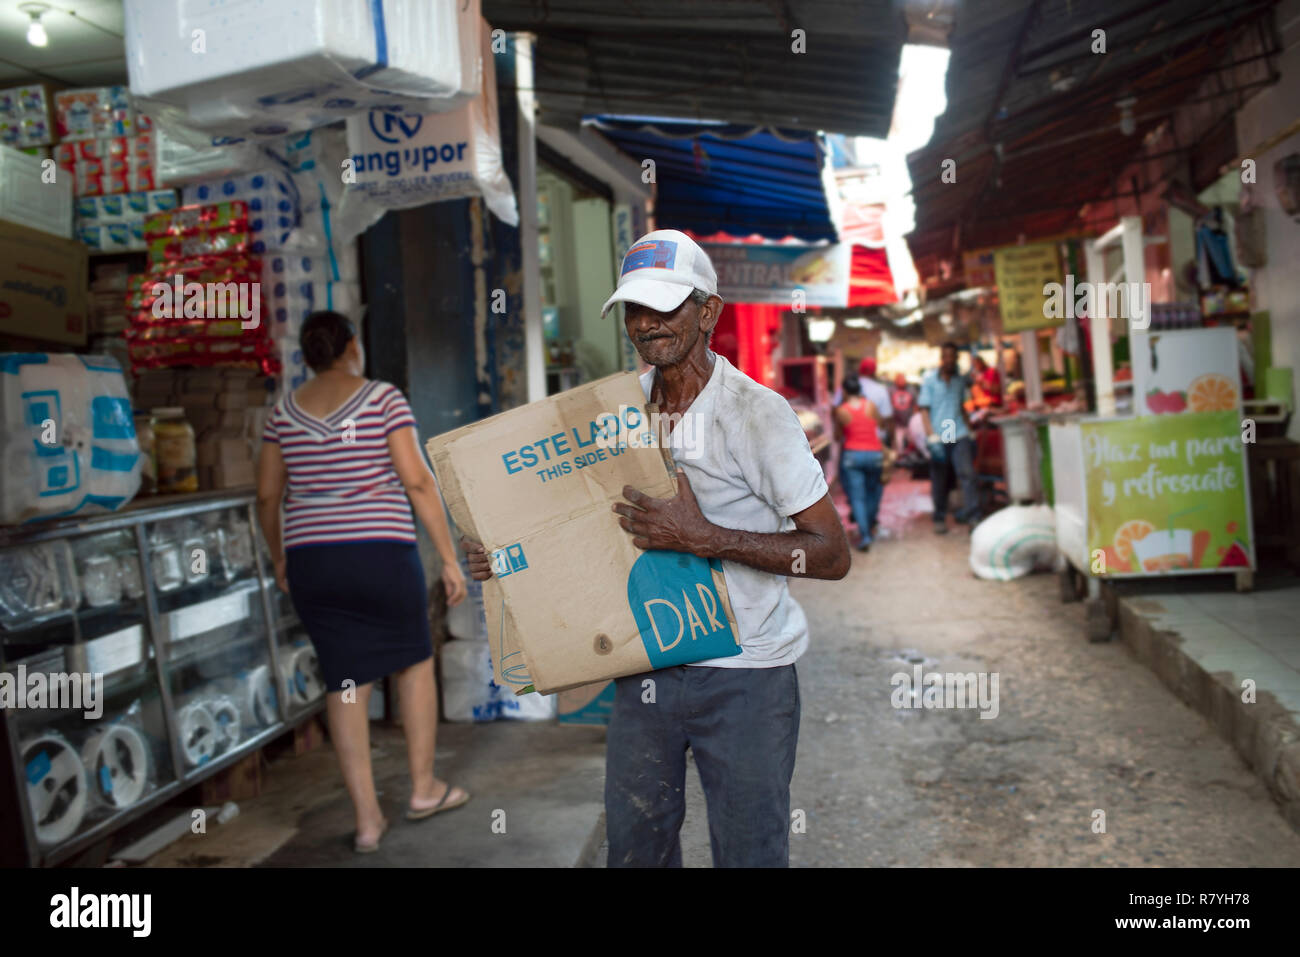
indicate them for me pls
(672, 524)
(480, 566)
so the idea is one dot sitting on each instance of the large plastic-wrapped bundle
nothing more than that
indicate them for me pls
(230, 68)
(69, 441)
(402, 161)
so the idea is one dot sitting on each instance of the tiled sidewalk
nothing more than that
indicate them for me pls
(1204, 642)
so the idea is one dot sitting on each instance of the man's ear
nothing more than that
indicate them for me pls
(710, 312)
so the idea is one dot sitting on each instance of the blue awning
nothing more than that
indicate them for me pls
(725, 177)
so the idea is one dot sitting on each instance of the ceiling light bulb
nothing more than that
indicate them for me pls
(1127, 122)
(36, 34)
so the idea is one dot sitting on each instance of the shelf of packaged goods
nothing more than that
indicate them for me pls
(200, 647)
(236, 610)
(114, 689)
(78, 625)
(78, 842)
(209, 589)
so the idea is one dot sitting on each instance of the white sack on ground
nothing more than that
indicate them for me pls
(1014, 542)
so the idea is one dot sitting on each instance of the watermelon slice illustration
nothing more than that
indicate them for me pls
(1236, 556)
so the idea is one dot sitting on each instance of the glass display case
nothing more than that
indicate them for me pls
(140, 652)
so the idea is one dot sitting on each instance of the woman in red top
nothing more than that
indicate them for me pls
(857, 422)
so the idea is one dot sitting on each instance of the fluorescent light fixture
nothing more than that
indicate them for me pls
(821, 330)
(36, 34)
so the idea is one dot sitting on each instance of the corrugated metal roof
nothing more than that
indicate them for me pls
(1023, 80)
(722, 60)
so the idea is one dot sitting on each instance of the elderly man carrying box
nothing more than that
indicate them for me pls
(752, 495)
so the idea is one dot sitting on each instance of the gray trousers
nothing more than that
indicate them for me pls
(742, 725)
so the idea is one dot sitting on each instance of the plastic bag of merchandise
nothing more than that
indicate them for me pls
(180, 162)
(1014, 542)
(470, 694)
(68, 440)
(274, 205)
(332, 217)
(468, 691)
(230, 68)
(400, 161)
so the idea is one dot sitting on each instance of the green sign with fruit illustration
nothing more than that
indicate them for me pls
(1167, 494)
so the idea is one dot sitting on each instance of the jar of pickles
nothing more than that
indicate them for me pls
(175, 453)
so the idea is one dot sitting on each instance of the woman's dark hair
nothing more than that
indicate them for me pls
(851, 385)
(323, 338)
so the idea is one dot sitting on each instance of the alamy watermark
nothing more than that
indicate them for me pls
(215, 300)
(631, 428)
(75, 691)
(946, 690)
(1124, 300)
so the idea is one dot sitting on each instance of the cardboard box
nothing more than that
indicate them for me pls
(573, 601)
(221, 448)
(233, 475)
(42, 286)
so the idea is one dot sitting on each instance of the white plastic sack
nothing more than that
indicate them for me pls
(330, 215)
(400, 161)
(180, 162)
(231, 68)
(470, 694)
(1014, 542)
(68, 439)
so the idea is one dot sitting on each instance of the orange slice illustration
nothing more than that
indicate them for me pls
(1211, 393)
(1127, 534)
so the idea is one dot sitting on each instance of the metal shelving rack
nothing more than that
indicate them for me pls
(276, 625)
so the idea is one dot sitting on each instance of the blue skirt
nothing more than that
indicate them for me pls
(364, 605)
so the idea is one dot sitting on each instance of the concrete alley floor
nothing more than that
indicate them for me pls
(1081, 728)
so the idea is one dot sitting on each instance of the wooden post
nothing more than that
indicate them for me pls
(239, 782)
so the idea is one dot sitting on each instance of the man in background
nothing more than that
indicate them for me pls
(944, 392)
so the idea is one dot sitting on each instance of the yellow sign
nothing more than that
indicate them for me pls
(1022, 271)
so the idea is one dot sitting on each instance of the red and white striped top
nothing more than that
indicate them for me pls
(342, 484)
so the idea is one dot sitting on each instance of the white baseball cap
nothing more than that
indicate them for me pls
(660, 270)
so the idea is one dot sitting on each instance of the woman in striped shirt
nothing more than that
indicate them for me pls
(341, 455)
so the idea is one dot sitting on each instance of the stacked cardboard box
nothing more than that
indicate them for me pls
(225, 407)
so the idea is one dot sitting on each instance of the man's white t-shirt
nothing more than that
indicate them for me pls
(749, 464)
